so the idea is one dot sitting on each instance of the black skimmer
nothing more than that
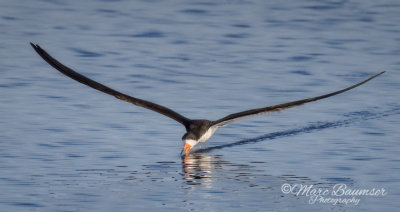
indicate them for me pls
(198, 130)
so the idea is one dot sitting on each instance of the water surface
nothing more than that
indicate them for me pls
(66, 147)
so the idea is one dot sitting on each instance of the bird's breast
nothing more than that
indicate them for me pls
(207, 134)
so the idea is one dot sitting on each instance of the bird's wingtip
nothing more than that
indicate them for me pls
(379, 73)
(35, 46)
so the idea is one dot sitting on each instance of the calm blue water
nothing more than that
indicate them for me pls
(66, 147)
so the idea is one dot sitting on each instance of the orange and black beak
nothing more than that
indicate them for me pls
(187, 148)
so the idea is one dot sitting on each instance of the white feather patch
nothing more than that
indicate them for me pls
(208, 134)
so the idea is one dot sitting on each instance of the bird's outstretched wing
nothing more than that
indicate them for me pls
(98, 86)
(275, 108)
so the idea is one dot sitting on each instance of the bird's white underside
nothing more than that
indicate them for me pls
(191, 142)
(204, 137)
(208, 133)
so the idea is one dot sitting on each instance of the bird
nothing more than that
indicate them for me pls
(197, 130)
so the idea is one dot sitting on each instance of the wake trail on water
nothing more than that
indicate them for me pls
(351, 118)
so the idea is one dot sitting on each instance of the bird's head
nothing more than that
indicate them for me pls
(189, 141)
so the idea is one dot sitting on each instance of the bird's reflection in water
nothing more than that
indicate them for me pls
(197, 168)
(203, 169)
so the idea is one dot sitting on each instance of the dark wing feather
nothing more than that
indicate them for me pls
(84, 80)
(232, 117)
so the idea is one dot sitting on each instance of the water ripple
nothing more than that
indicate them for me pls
(149, 34)
(85, 53)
